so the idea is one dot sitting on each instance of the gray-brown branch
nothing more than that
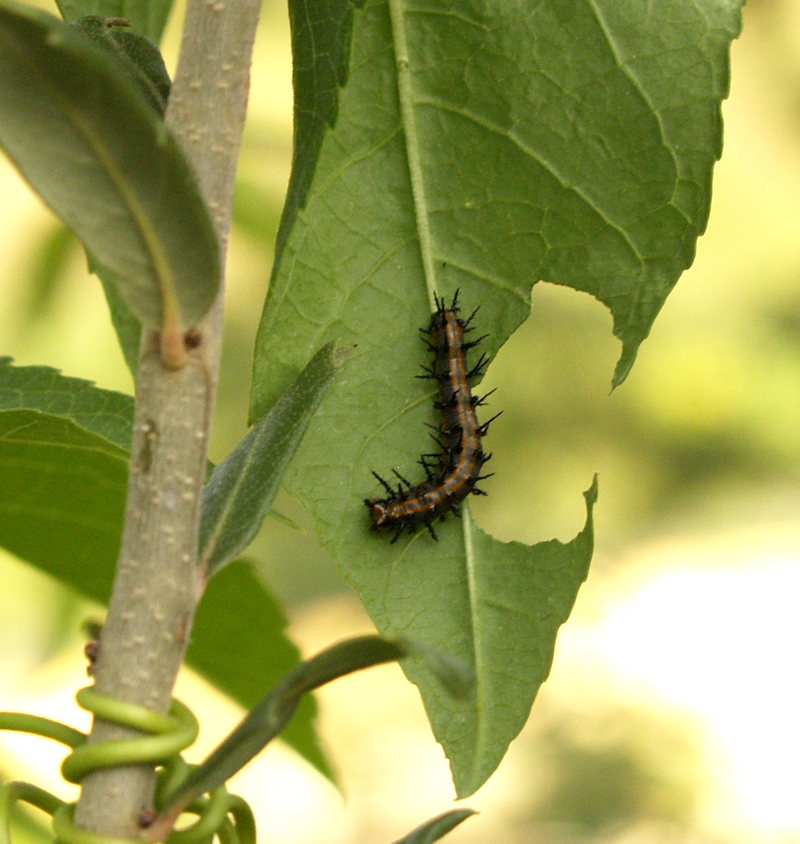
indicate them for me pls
(156, 585)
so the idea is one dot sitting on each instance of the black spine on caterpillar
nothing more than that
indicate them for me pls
(453, 472)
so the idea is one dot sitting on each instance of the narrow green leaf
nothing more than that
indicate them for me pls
(242, 487)
(239, 621)
(437, 827)
(89, 143)
(63, 475)
(479, 148)
(271, 715)
(148, 17)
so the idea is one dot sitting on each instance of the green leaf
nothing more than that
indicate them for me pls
(63, 478)
(240, 621)
(318, 75)
(62, 498)
(270, 715)
(505, 603)
(479, 149)
(105, 413)
(574, 144)
(138, 57)
(241, 488)
(437, 827)
(148, 17)
(90, 144)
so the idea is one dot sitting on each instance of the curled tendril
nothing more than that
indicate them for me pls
(218, 814)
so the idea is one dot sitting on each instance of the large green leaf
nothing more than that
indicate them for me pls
(480, 147)
(63, 475)
(96, 151)
(148, 17)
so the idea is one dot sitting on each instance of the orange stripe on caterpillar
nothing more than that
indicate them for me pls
(457, 467)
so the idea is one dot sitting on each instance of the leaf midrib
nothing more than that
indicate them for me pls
(414, 161)
(158, 259)
(408, 121)
(477, 640)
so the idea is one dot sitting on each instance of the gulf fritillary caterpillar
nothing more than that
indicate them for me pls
(460, 460)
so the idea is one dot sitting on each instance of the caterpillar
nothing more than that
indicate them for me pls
(458, 464)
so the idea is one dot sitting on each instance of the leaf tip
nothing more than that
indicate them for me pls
(624, 364)
(340, 354)
(591, 494)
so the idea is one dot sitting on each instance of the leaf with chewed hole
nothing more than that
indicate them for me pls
(478, 147)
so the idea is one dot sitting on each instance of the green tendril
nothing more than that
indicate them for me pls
(212, 811)
(12, 792)
(173, 733)
(219, 814)
(21, 723)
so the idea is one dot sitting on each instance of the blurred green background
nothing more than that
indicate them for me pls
(671, 714)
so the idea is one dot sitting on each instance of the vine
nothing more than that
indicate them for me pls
(219, 813)
(200, 789)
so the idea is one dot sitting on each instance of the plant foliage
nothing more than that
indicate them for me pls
(470, 146)
(478, 147)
